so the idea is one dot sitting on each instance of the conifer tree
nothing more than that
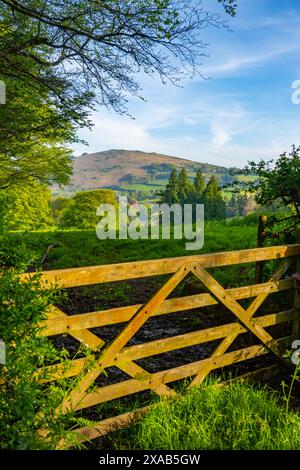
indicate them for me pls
(170, 195)
(199, 185)
(185, 187)
(215, 207)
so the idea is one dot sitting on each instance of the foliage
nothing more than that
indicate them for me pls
(230, 6)
(215, 207)
(180, 190)
(58, 206)
(26, 207)
(33, 135)
(199, 184)
(278, 182)
(171, 194)
(26, 405)
(240, 205)
(74, 48)
(81, 212)
(59, 59)
(185, 188)
(239, 417)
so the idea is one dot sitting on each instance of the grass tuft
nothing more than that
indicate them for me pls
(239, 417)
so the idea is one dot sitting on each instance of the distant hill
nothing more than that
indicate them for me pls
(133, 171)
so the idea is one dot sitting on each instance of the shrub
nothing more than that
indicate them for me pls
(25, 404)
(81, 211)
(26, 207)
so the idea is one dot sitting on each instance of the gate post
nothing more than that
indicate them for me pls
(296, 323)
(260, 238)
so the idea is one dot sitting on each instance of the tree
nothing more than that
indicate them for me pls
(33, 135)
(81, 213)
(215, 207)
(230, 6)
(233, 207)
(73, 47)
(199, 185)
(171, 194)
(59, 206)
(26, 207)
(58, 59)
(241, 204)
(212, 189)
(277, 182)
(185, 191)
(250, 205)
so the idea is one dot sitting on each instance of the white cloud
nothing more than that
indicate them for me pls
(220, 135)
(113, 132)
(198, 130)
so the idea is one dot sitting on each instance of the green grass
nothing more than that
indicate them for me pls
(144, 187)
(75, 248)
(239, 417)
(245, 178)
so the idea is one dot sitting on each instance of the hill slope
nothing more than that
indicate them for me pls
(127, 170)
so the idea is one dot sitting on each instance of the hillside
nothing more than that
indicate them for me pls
(131, 171)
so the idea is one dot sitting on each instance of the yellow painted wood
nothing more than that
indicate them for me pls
(86, 337)
(109, 425)
(238, 311)
(77, 394)
(219, 351)
(161, 346)
(251, 310)
(281, 270)
(111, 392)
(137, 372)
(69, 323)
(104, 427)
(296, 323)
(117, 354)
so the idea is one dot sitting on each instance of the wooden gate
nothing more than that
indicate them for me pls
(117, 353)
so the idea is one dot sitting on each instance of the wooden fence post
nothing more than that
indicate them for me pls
(260, 238)
(296, 323)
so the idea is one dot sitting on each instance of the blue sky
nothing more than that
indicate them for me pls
(243, 112)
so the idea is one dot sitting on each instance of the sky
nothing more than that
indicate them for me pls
(244, 109)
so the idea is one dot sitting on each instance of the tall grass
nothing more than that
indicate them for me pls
(73, 248)
(239, 417)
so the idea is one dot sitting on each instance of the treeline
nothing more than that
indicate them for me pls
(34, 208)
(240, 205)
(180, 190)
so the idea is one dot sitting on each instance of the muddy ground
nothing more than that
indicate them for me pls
(100, 297)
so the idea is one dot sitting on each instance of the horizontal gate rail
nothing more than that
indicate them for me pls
(118, 272)
(113, 316)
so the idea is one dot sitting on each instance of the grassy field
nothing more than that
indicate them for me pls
(75, 248)
(240, 417)
(157, 185)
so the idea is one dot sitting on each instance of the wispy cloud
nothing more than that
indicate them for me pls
(242, 61)
(245, 114)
